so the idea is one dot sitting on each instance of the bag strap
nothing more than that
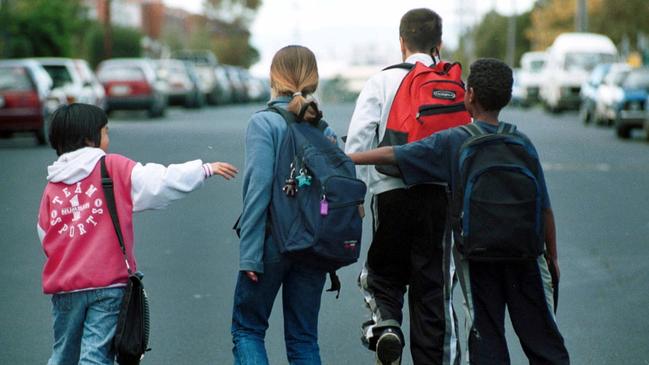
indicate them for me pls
(404, 66)
(107, 185)
(473, 129)
(290, 118)
(335, 283)
(506, 128)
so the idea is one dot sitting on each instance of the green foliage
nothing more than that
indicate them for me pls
(230, 37)
(489, 39)
(41, 28)
(619, 19)
(126, 43)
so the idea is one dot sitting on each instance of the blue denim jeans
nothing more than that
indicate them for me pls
(301, 292)
(84, 326)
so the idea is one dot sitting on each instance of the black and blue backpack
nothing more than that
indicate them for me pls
(316, 208)
(496, 205)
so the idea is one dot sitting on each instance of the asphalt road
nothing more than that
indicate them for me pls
(188, 252)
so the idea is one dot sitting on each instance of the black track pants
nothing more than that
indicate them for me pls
(406, 255)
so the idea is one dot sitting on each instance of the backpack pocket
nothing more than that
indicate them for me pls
(502, 215)
(339, 236)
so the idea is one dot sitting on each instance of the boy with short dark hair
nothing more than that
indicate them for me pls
(408, 224)
(524, 287)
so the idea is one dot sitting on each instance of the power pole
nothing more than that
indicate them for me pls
(511, 37)
(4, 33)
(108, 31)
(581, 18)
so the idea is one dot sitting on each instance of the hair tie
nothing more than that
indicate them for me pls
(299, 93)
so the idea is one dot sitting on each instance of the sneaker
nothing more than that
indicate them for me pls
(388, 348)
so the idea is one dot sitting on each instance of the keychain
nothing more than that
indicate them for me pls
(303, 179)
(290, 187)
(324, 206)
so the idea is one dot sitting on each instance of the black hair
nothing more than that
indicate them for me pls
(421, 30)
(76, 126)
(491, 80)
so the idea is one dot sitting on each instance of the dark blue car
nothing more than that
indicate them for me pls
(631, 111)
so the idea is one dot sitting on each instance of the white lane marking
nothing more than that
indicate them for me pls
(560, 166)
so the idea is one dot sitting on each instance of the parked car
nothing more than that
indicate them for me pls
(256, 89)
(518, 94)
(239, 88)
(204, 61)
(646, 119)
(225, 94)
(182, 83)
(26, 99)
(588, 92)
(570, 59)
(531, 76)
(90, 81)
(66, 75)
(631, 112)
(132, 84)
(609, 94)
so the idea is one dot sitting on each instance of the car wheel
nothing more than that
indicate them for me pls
(157, 108)
(212, 98)
(42, 134)
(622, 131)
(584, 115)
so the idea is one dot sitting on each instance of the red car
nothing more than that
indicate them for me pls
(26, 99)
(132, 84)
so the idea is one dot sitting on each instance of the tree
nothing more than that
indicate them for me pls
(619, 19)
(489, 38)
(553, 17)
(126, 43)
(228, 29)
(239, 11)
(42, 27)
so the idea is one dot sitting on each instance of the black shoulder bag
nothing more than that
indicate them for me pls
(131, 339)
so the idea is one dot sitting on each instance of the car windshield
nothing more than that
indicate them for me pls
(637, 79)
(15, 78)
(121, 74)
(59, 74)
(586, 61)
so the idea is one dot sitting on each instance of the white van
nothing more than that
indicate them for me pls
(569, 61)
(531, 76)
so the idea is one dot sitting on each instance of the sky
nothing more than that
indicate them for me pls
(352, 32)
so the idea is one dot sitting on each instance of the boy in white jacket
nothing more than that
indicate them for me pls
(84, 269)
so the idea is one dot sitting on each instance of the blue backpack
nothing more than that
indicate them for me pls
(496, 205)
(316, 209)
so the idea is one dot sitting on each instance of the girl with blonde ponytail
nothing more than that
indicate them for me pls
(262, 269)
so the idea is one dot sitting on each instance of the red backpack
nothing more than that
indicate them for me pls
(429, 99)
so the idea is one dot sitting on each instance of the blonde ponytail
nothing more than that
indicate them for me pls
(294, 72)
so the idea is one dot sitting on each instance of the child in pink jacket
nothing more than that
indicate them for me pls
(84, 269)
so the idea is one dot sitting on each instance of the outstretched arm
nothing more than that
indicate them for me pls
(378, 156)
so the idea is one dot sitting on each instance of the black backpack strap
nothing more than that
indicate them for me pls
(290, 118)
(404, 66)
(335, 283)
(322, 125)
(473, 129)
(506, 128)
(107, 185)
